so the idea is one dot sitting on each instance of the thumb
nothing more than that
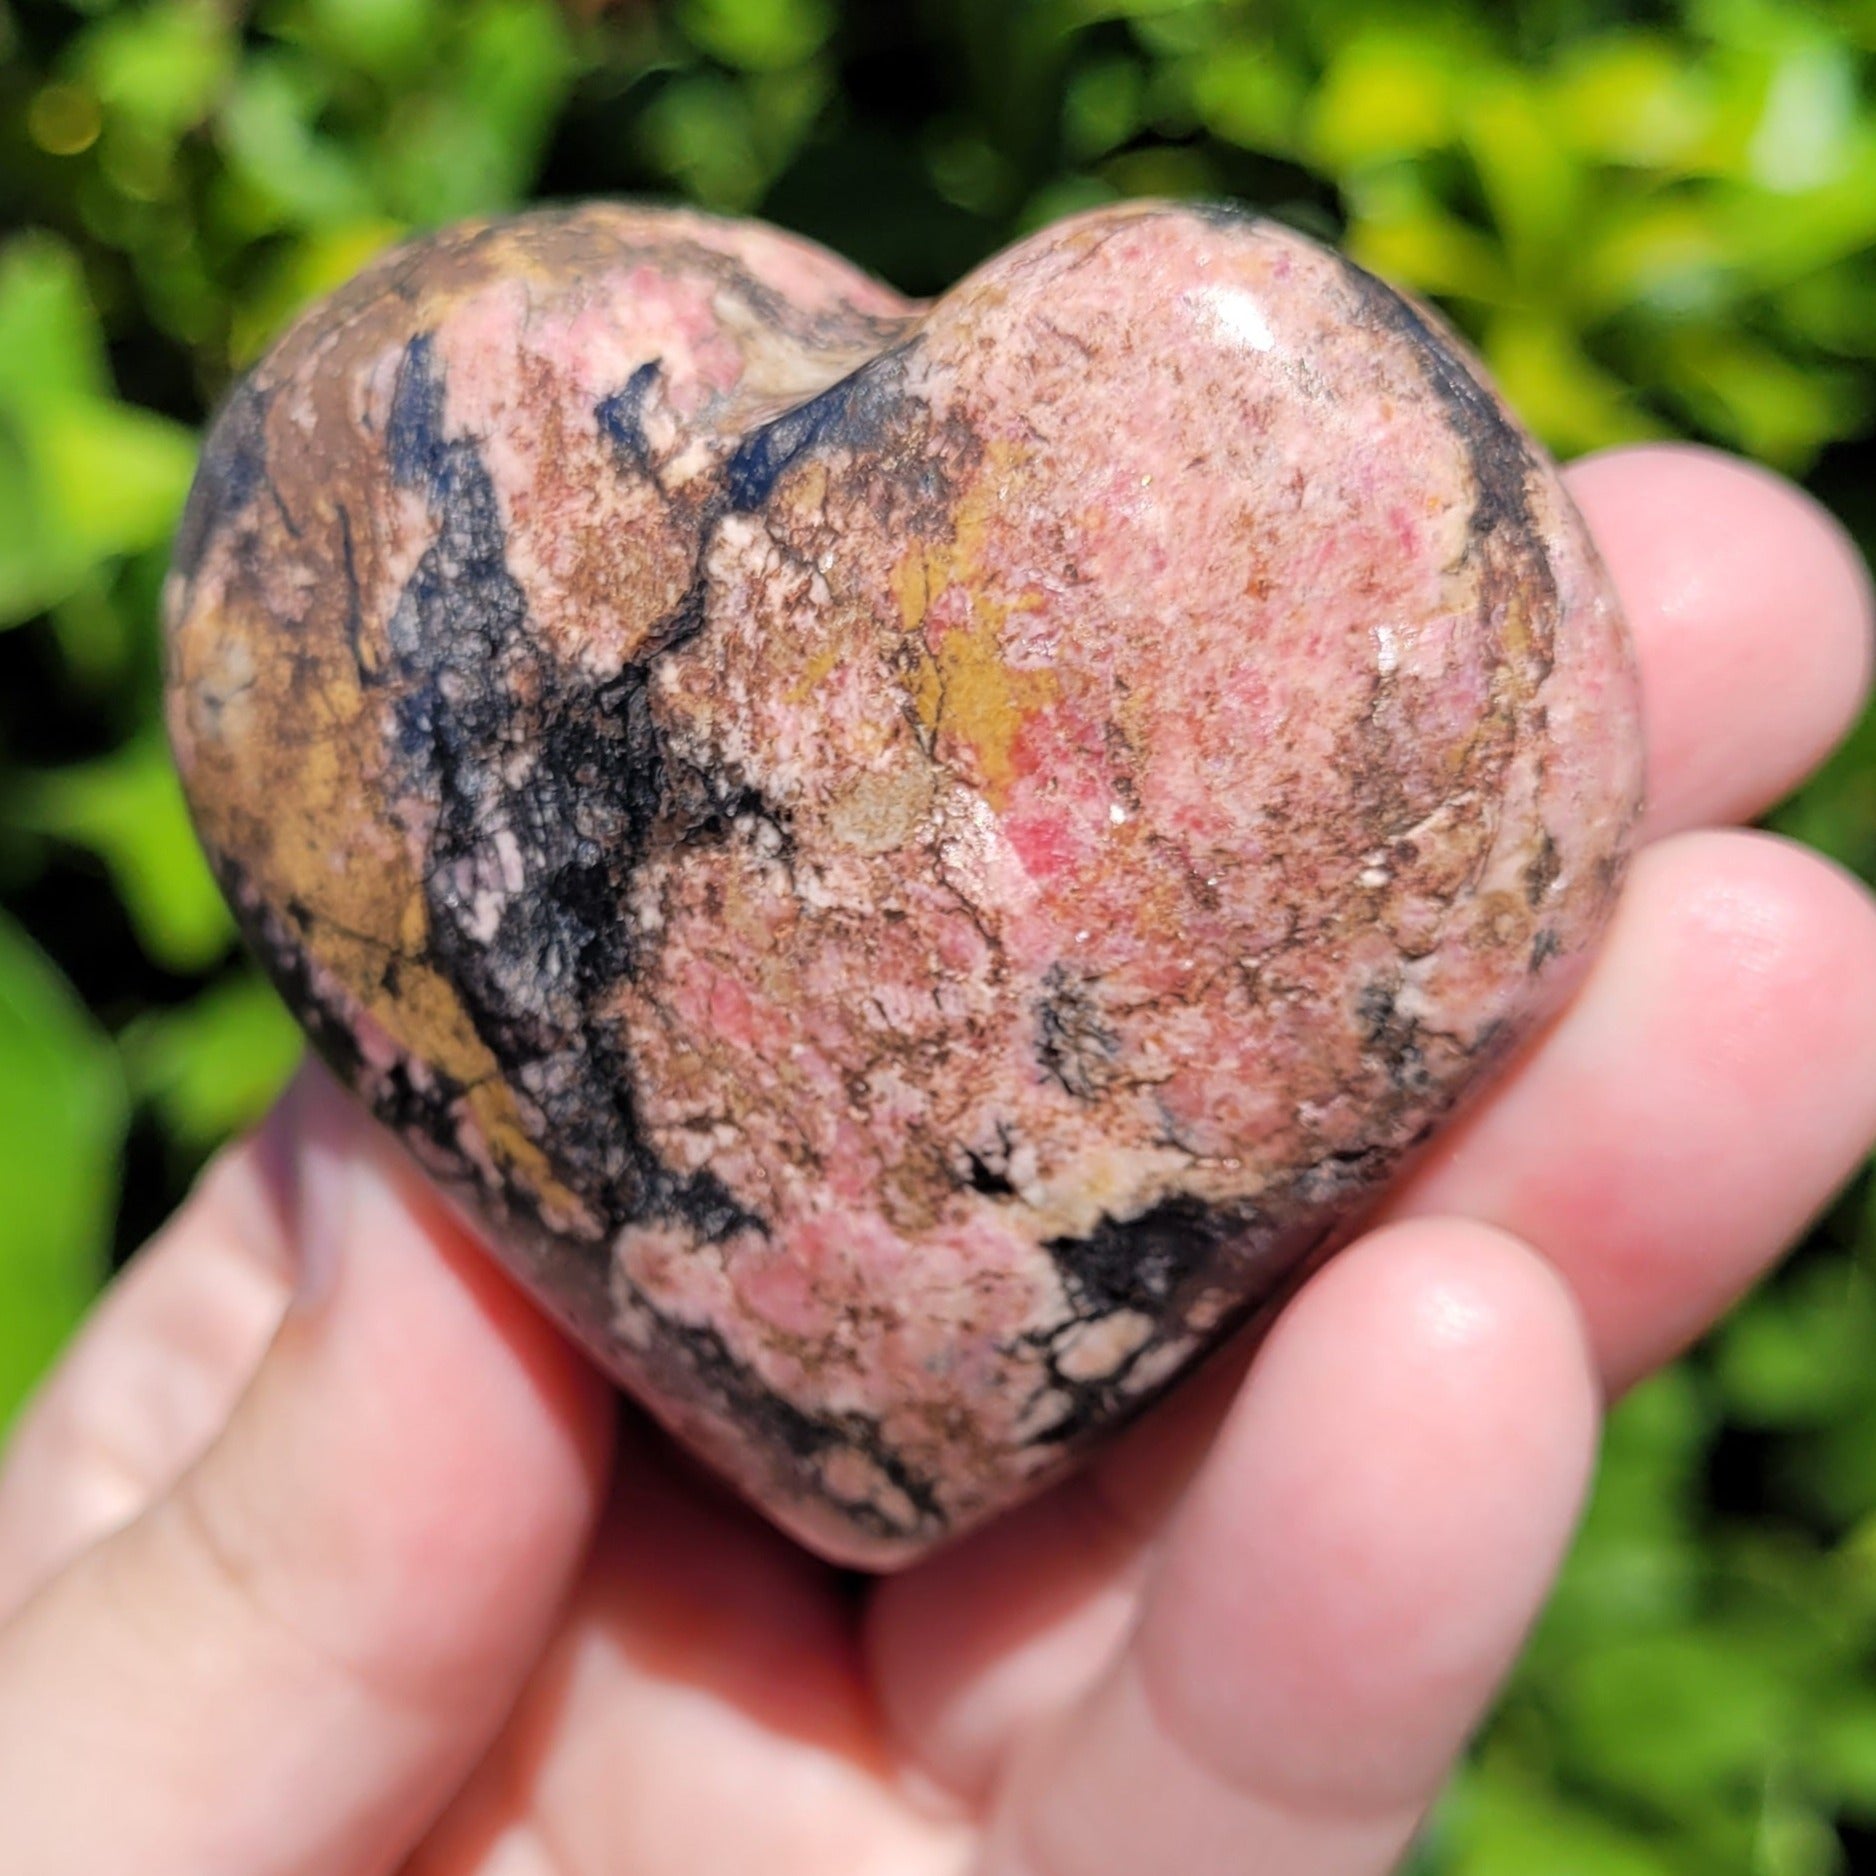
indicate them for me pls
(289, 1661)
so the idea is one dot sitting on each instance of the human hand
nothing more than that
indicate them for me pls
(313, 1558)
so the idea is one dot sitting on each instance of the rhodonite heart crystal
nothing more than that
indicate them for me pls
(910, 865)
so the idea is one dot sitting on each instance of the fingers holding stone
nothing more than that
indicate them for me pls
(1750, 609)
(1338, 1595)
(1708, 1090)
(703, 1695)
(152, 1376)
(288, 1661)
(1004, 1629)
(1711, 1085)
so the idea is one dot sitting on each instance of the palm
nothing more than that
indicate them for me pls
(1253, 1634)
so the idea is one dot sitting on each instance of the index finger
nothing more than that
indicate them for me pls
(1750, 607)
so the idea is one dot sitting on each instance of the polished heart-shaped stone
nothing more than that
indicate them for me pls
(910, 866)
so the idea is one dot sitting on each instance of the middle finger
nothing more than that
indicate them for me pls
(1750, 615)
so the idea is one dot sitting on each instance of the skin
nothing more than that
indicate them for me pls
(322, 1553)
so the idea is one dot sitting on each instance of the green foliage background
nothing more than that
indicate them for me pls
(1657, 218)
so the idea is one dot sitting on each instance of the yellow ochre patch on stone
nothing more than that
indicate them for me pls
(307, 734)
(963, 686)
(815, 672)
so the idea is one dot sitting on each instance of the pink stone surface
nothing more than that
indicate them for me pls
(910, 865)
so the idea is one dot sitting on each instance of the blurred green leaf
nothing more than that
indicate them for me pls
(212, 1067)
(269, 128)
(1250, 95)
(702, 131)
(1103, 107)
(50, 345)
(1385, 97)
(1762, 402)
(1836, 812)
(389, 38)
(1781, 237)
(1844, 1752)
(111, 476)
(1633, 99)
(1802, 1353)
(161, 66)
(1664, 253)
(1528, 173)
(1401, 231)
(84, 478)
(1553, 384)
(1637, 1561)
(1499, 1827)
(128, 810)
(1679, 1716)
(758, 35)
(61, 1126)
(1805, 136)
(1174, 174)
(470, 142)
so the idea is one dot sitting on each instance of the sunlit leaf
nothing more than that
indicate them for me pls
(1399, 230)
(1385, 97)
(31, 576)
(1068, 196)
(1633, 99)
(100, 632)
(1753, 396)
(162, 65)
(1175, 174)
(1843, 1752)
(1780, 238)
(1553, 384)
(968, 169)
(758, 35)
(113, 475)
(83, 477)
(469, 143)
(701, 130)
(1832, 309)
(1250, 95)
(1831, 1472)
(268, 127)
(388, 37)
(1804, 137)
(50, 344)
(1088, 11)
(1791, 1838)
(1679, 1715)
(1167, 28)
(1529, 174)
(1664, 254)
(1637, 1560)
(93, 480)
(1836, 812)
